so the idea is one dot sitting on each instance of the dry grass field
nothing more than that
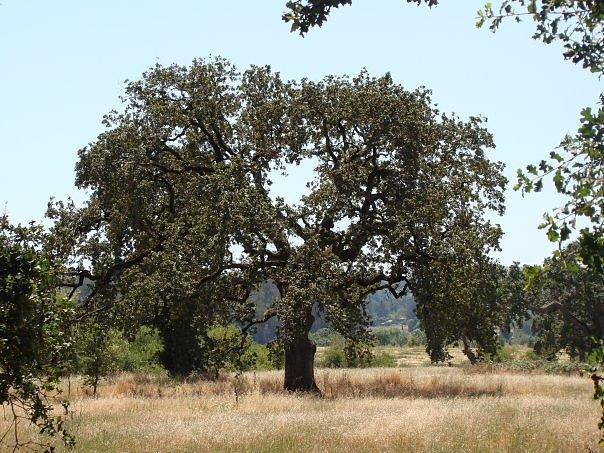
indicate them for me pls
(421, 408)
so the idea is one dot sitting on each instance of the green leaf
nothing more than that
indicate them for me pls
(564, 232)
(554, 155)
(553, 235)
(559, 180)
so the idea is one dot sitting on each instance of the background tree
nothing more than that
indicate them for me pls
(471, 300)
(181, 221)
(568, 303)
(34, 337)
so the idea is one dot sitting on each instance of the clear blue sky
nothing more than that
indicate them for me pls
(63, 64)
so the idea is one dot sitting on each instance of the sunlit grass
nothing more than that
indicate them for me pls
(410, 408)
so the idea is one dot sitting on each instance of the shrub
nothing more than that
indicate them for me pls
(101, 352)
(390, 336)
(337, 355)
(141, 354)
(417, 338)
(96, 352)
(262, 360)
(383, 360)
(229, 350)
(334, 355)
(503, 354)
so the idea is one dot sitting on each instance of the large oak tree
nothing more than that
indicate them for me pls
(181, 217)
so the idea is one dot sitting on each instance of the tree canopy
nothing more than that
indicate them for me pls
(568, 305)
(181, 222)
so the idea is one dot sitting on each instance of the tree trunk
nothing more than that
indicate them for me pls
(300, 360)
(467, 350)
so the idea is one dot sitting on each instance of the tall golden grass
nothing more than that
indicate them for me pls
(420, 409)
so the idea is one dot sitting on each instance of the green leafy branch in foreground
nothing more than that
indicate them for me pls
(596, 359)
(577, 170)
(305, 14)
(577, 165)
(34, 339)
(577, 24)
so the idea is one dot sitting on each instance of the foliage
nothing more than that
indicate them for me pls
(596, 360)
(577, 165)
(487, 299)
(577, 24)
(399, 191)
(578, 173)
(383, 360)
(504, 353)
(141, 354)
(101, 352)
(305, 14)
(390, 336)
(230, 349)
(568, 305)
(337, 355)
(334, 356)
(96, 358)
(34, 336)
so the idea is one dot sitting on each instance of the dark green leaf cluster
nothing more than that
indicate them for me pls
(305, 14)
(577, 24)
(34, 337)
(567, 300)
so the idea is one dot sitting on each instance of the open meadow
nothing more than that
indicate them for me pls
(413, 407)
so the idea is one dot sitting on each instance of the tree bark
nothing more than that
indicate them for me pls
(300, 360)
(467, 350)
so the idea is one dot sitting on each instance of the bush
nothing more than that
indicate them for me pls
(390, 336)
(228, 350)
(383, 360)
(96, 353)
(101, 352)
(337, 356)
(417, 338)
(334, 355)
(503, 354)
(141, 354)
(262, 360)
